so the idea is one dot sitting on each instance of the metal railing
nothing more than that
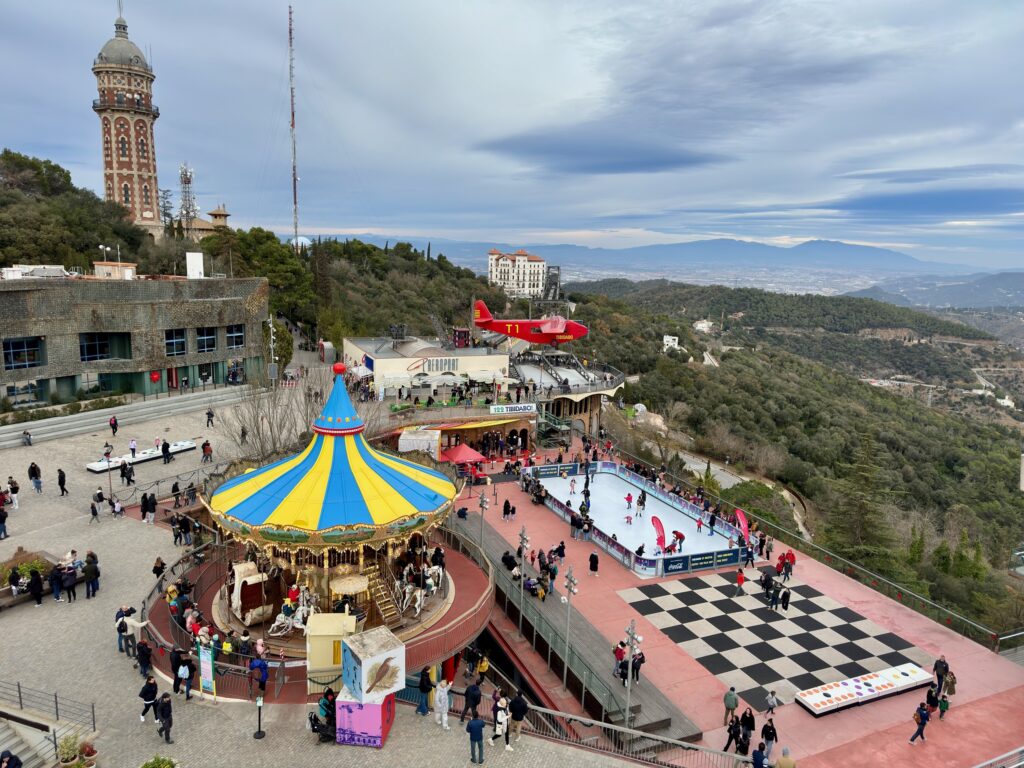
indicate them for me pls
(1013, 759)
(49, 704)
(938, 613)
(126, 104)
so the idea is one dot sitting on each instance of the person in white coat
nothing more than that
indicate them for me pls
(441, 704)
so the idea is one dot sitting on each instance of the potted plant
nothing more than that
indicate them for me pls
(87, 751)
(67, 749)
(158, 761)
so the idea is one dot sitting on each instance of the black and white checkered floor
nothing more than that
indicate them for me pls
(747, 645)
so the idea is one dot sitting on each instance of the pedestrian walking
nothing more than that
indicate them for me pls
(91, 573)
(785, 761)
(740, 578)
(921, 717)
(760, 761)
(426, 685)
(113, 425)
(772, 702)
(940, 669)
(517, 709)
(176, 490)
(776, 593)
(209, 417)
(943, 707)
(441, 704)
(244, 435)
(62, 480)
(472, 699)
(734, 730)
(638, 661)
(187, 671)
(501, 723)
(56, 579)
(132, 446)
(475, 729)
(785, 600)
(3, 523)
(129, 474)
(593, 564)
(749, 556)
(144, 656)
(769, 736)
(731, 701)
(148, 694)
(35, 476)
(122, 471)
(207, 453)
(949, 684)
(747, 722)
(164, 714)
(12, 489)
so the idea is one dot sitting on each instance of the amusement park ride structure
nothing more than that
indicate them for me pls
(552, 330)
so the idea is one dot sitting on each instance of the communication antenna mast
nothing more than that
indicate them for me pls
(295, 172)
(188, 210)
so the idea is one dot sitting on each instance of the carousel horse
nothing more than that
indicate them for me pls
(289, 620)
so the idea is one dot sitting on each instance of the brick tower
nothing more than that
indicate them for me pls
(127, 113)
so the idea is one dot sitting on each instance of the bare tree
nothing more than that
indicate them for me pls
(265, 422)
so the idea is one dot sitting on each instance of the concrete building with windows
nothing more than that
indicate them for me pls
(116, 331)
(519, 274)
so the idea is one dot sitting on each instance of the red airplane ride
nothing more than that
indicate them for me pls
(549, 330)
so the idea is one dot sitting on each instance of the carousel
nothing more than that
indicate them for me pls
(339, 527)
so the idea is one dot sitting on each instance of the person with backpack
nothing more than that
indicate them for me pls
(164, 713)
(113, 425)
(121, 626)
(209, 417)
(921, 717)
(186, 671)
(148, 694)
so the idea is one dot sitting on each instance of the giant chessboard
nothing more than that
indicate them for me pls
(747, 645)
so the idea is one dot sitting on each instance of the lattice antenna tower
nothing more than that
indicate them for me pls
(295, 171)
(189, 209)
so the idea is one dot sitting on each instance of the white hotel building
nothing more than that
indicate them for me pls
(519, 274)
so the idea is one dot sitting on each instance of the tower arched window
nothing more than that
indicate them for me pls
(123, 144)
(126, 194)
(145, 194)
(143, 151)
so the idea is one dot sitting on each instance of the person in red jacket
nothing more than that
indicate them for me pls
(740, 578)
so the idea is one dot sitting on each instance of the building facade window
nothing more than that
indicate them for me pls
(126, 194)
(93, 346)
(143, 152)
(26, 352)
(206, 339)
(174, 342)
(145, 194)
(236, 336)
(123, 146)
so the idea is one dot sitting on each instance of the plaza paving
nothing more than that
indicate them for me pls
(71, 649)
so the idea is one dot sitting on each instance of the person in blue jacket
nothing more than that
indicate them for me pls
(475, 729)
(921, 718)
(261, 666)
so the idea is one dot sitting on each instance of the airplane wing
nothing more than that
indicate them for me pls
(553, 325)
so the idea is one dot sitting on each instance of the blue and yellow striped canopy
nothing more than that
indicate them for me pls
(338, 482)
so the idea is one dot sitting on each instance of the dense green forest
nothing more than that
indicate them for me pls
(45, 219)
(762, 309)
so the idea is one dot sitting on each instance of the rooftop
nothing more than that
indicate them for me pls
(382, 347)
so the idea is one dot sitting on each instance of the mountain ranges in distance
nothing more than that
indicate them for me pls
(974, 291)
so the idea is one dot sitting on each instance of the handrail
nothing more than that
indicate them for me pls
(68, 710)
(1012, 759)
(828, 557)
(486, 596)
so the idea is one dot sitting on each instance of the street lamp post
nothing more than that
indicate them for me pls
(484, 503)
(570, 590)
(524, 543)
(633, 641)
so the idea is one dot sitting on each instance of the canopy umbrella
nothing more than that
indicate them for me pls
(462, 454)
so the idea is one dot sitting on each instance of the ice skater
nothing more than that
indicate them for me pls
(700, 523)
(572, 487)
(629, 519)
(711, 524)
(629, 501)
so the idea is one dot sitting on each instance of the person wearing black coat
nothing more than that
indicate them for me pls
(735, 731)
(426, 686)
(175, 663)
(144, 656)
(165, 715)
(148, 696)
(35, 586)
(472, 699)
(747, 722)
(517, 709)
(9, 760)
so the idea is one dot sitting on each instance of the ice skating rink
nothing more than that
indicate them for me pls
(608, 511)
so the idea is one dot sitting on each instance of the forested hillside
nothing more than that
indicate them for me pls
(45, 219)
(761, 309)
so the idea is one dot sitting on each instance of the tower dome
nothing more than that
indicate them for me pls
(119, 50)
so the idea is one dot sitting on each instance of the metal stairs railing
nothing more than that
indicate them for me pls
(381, 594)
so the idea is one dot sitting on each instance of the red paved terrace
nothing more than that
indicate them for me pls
(983, 722)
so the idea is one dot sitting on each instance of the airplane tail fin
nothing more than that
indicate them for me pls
(480, 312)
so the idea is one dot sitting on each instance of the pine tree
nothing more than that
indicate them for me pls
(915, 552)
(942, 558)
(858, 529)
(963, 566)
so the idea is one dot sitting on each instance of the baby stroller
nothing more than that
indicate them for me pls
(322, 729)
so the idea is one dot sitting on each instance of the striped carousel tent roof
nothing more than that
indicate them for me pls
(339, 481)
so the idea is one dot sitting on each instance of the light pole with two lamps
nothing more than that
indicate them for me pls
(524, 544)
(105, 252)
(483, 502)
(570, 590)
(633, 641)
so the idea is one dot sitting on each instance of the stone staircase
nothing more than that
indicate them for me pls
(381, 595)
(9, 739)
(133, 413)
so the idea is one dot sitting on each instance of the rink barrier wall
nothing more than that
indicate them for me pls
(646, 566)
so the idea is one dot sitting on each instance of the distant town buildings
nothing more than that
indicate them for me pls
(669, 342)
(703, 326)
(519, 274)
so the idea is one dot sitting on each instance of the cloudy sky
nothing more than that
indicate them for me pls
(598, 123)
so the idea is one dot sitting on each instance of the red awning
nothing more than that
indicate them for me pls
(461, 454)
